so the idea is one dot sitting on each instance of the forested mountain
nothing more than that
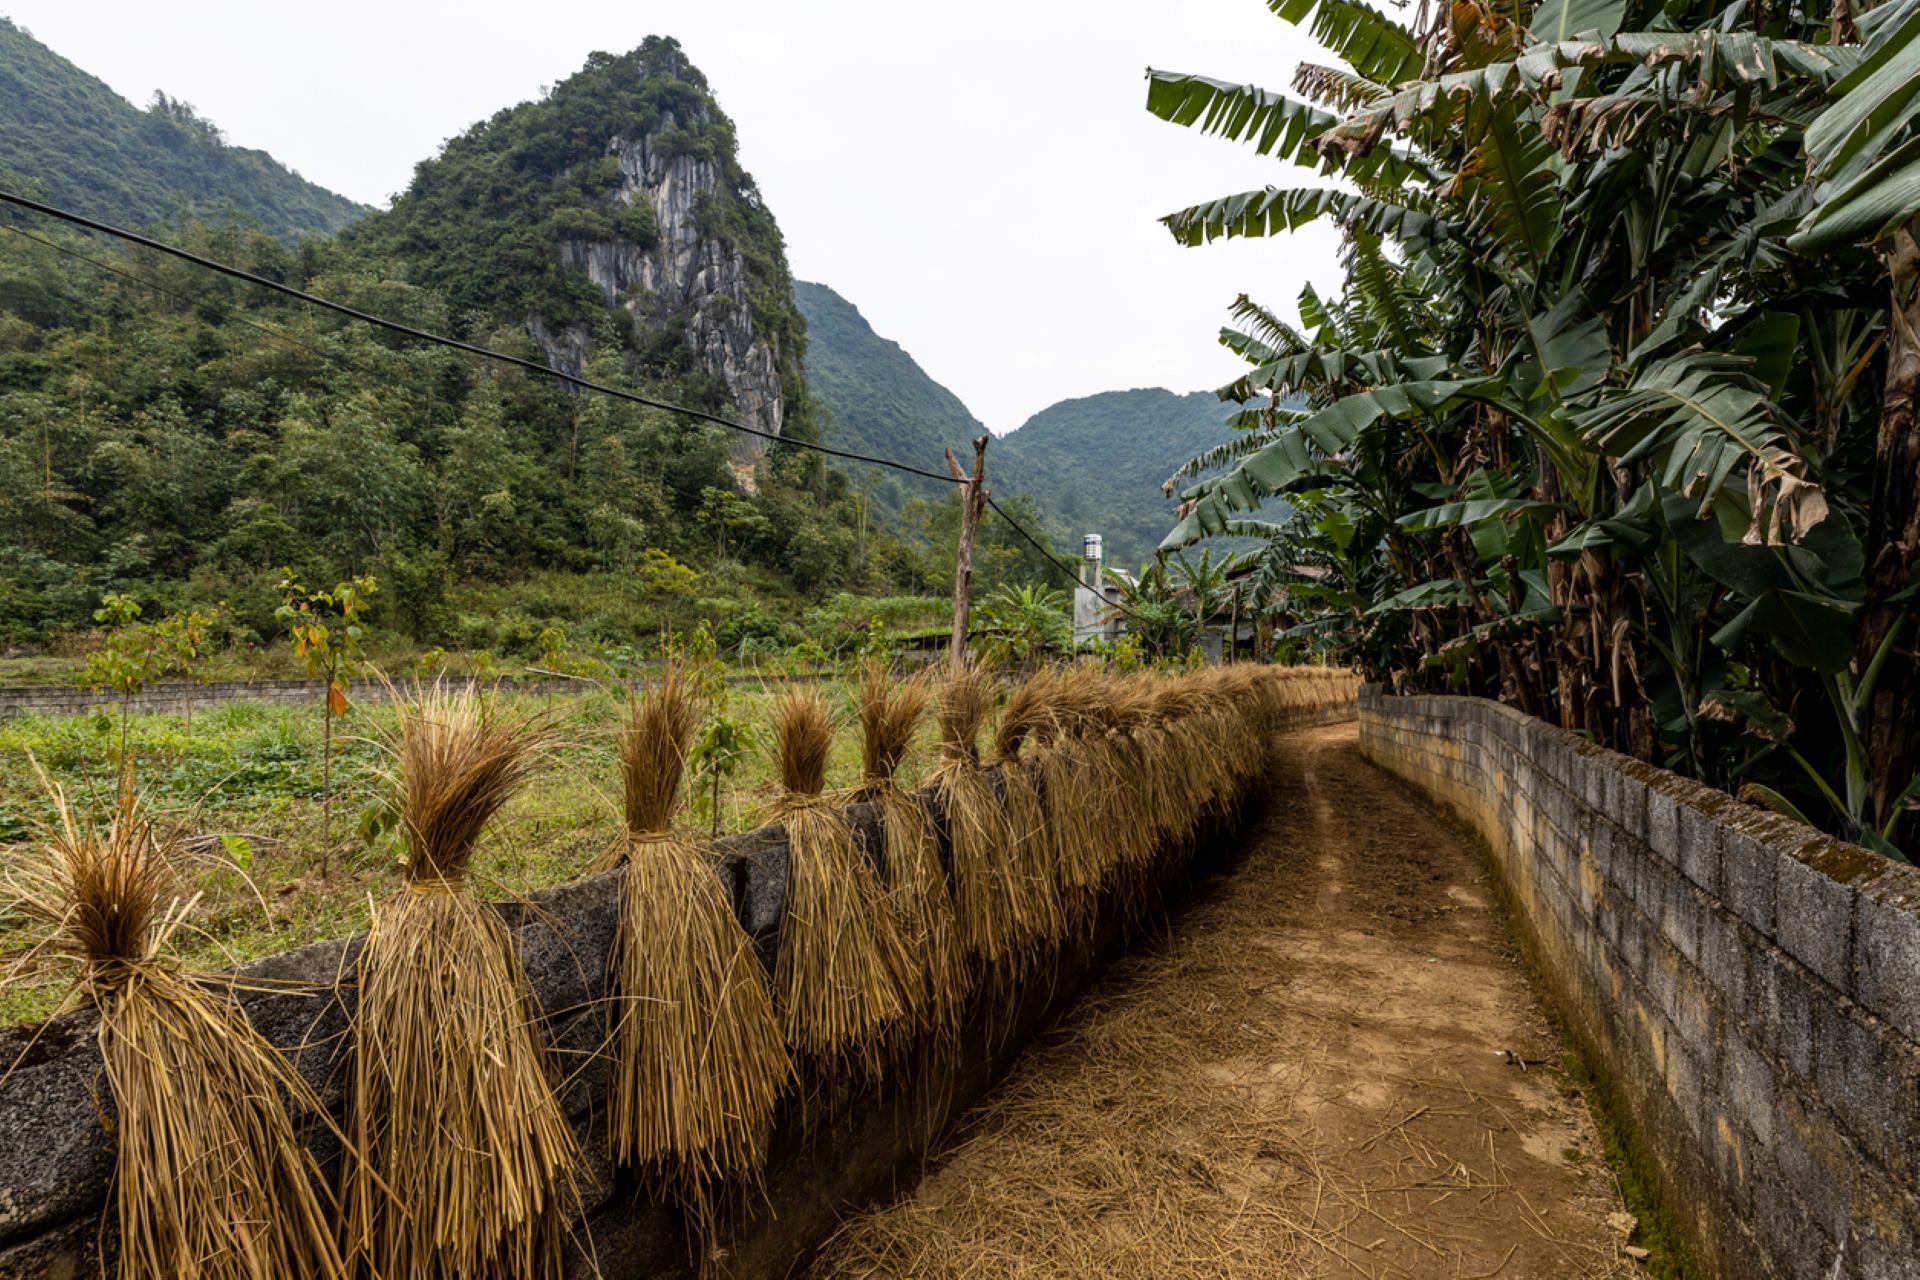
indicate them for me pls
(619, 195)
(878, 399)
(84, 147)
(1095, 464)
(1090, 465)
(179, 436)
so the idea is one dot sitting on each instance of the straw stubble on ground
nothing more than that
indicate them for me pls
(1314, 1073)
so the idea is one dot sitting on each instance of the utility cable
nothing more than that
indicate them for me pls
(1057, 562)
(366, 317)
(426, 335)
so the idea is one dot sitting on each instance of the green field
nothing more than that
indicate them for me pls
(241, 782)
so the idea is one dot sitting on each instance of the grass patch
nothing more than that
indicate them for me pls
(244, 781)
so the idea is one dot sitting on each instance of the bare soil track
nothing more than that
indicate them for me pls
(1330, 1064)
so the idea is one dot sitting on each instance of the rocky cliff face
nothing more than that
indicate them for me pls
(687, 277)
(619, 191)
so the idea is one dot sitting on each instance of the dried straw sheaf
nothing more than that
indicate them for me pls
(1134, 790)
(698, 1062)
(461, 1160)
(211, 1178)
(1000, 911)
(916, 882)
(1036, 856)
(844, 977)
(1076, 779)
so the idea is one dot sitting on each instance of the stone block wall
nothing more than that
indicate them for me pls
(176, 696)
(852, 1147)
(1747, 988)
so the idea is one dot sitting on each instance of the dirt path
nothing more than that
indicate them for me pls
(1316, 1073)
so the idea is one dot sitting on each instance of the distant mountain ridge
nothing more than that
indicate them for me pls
(88, 149)
(1094, 464)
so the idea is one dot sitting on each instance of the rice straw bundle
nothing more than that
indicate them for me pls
(916, 882)
(1150, 798)
(698, 1061)
(211, 1178)
(992, 898)
(1026, 805)
(1189, 747)
(1132, 781)
(461, 1162)
(1080, 778)
(844, 976)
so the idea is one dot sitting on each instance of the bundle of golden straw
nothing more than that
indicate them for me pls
(461, 1158)
(1133, 788)
(1000, 910)
(844, 976)
(211, 1178)
(1077, 780)
(698, 1061)
(1032, 814)
(916, 882)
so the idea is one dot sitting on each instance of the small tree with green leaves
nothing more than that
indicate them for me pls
(187, 637)
(1022, 624)
(134, 656)
(138, 653)
(660, 574)
(324, 629)
(723, 742)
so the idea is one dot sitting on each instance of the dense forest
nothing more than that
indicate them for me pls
(84, 147)
(1613, 417)
(180, 437)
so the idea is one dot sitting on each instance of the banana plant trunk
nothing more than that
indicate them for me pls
(1892, 730)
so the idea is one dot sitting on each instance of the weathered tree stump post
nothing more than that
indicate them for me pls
(1233, 629)
(973, 498)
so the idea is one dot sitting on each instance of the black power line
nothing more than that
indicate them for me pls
(425, 335)
(1056, 561)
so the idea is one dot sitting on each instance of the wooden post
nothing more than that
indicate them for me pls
(1233, 629)
(973, 498)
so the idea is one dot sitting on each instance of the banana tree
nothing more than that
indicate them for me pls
(1596, 350)
(1864, 151)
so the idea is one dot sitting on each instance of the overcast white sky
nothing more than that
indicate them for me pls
(980, 180)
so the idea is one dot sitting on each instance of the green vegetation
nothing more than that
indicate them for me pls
(178, 439)
(246, 779)
(1615, 416)
(1091, 465)
(79, 144)
(878, 400)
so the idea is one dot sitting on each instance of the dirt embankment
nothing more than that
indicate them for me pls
(1331, 1065)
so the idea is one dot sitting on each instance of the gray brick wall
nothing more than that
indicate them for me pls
(1748, 988)
(177, 695)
